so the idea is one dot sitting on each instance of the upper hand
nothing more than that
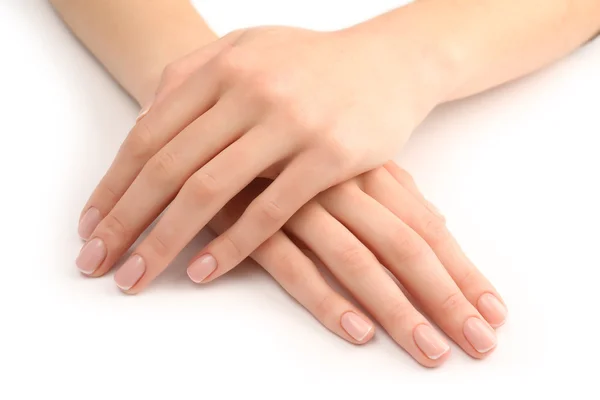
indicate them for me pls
(308, 109)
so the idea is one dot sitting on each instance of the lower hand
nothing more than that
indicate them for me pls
(378, 217)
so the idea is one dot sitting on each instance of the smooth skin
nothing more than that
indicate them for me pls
(233, 101)
(255, 106)
(410, 240)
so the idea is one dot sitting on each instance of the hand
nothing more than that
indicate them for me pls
(405, 232)
(299, 276)
(310, 109)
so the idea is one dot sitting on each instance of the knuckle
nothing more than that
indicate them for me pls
(162, 168)
(452, 302)
(399, 316)
(233, 249)
(107, 192)
(325, 307)
(291, 271)
(115, 227)
(309, 124)
(158, 246)
(269, 213)
(201, 187)
(233, 63)
(172, 71)
(276, 93)
(435, 229)
(356, 259)
(270, 89)
(141, 142)
(405, 246)
(340, 154)
(468, 278)
(404, 175)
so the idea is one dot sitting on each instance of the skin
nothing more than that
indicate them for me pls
(215, 104)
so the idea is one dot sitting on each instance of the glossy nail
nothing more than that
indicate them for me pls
(480, 335)
(91, 256)
(492, 309)
(200, 269)
(430, 342)
(88, 222)
(130, 273)
(356, 326)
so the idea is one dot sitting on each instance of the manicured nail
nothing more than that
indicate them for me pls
(492, 309)
(202, 268)
(89, 222)
(91, 256)
(356, 326)
(130, 272)
(480, 335)
(430, 342)
(144, 111)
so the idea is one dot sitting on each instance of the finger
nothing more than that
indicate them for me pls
(359, 271)
(176, 73)
(427, 224)
(298, 275)
(415, 265)
(203, 194)
(160, 180)
(296, 185)
(146, 138)
(407, 181)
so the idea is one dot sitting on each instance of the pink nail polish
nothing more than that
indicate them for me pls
(202, 268)
(480, 335)
(492, 309)
(91, 256)
(356, 326)
(130, 273)
(88, 222)
(430, 342)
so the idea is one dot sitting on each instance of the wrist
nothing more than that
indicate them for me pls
(414, 34)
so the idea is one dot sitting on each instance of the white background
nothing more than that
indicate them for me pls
(515, 171)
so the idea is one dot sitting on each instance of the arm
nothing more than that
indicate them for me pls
(484, 43)
(136, 39)
(256, 91)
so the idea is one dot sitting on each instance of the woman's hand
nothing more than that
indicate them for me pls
(330, 227)
(308, 109)
(397, 227)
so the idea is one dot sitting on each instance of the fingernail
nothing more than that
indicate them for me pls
(480, 335)
(202, 268)
(356, 326)
(144, 111)
(89, 222)
(91, 256)
(492, 309)
(430, 342)
(130, 272)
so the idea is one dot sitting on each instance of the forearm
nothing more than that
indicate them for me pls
(483, 43)
(136, 39)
